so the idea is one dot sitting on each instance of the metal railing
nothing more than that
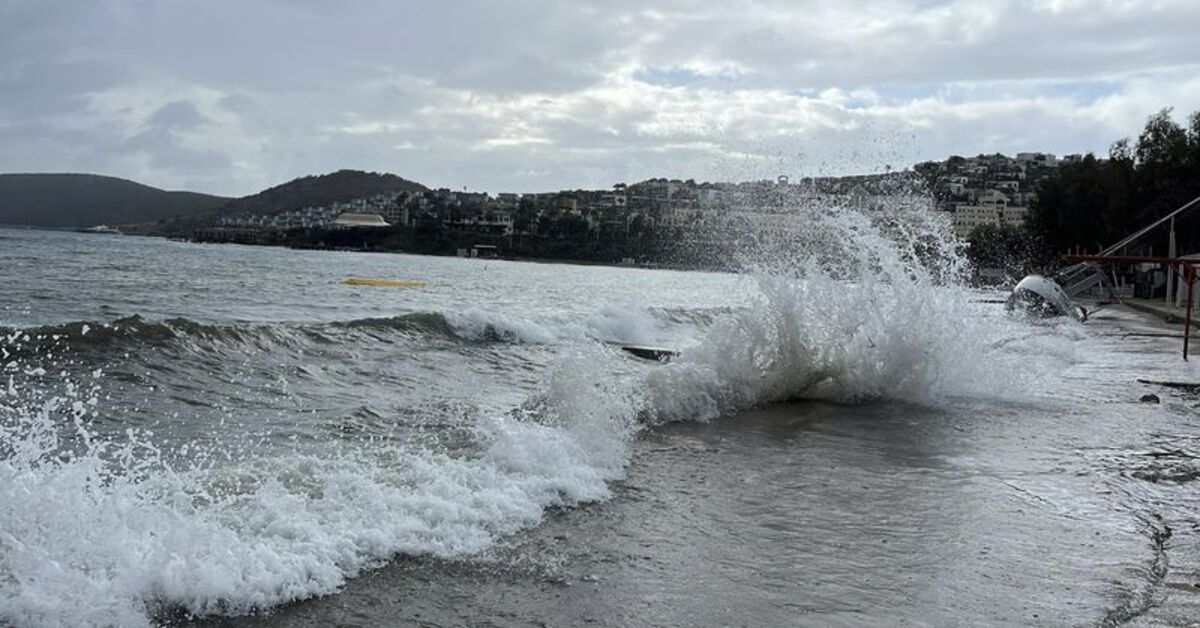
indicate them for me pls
(1185, 267)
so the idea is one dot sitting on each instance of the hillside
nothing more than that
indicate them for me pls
(81, 200)
(320, 190)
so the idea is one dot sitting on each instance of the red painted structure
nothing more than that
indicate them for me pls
(1185, 267)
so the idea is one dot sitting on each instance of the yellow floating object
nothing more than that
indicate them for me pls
(388, 283)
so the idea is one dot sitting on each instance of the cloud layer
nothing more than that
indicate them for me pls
(230, 97)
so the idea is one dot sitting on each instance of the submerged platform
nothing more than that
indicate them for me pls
(1169, 313)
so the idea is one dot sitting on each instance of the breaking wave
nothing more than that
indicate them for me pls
(470, 325)
(106, 529)
(106, 532)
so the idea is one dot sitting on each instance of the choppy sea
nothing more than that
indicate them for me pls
(230, 435)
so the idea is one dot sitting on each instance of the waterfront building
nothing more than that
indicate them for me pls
(352, 220)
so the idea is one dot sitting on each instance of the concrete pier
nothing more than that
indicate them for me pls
(1169, 313)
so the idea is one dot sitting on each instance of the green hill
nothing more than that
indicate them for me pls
(320, 190)
(82, 200)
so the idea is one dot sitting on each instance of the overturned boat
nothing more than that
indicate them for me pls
(1055, 296)
(1042, 297)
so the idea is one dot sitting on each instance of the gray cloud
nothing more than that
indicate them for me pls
(162, 143)
(231, 97)
(179, 114)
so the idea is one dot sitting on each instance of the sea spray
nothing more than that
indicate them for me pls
(114, 534)
(853, 303)
(112, 527)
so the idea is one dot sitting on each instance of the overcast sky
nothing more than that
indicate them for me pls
(522, 95)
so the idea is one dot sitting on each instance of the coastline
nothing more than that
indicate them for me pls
(512, 258)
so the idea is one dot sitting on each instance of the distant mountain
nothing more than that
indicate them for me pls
(320, 190)
(82, 200)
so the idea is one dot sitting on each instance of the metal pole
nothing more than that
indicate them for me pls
(1171, 216)
(1143, 231)
(1172, 286)
(1187, 320)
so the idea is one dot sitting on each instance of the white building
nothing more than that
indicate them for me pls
(1045, 160)
(991, 208)
(349, 220)
(1014, 216)
(988, 209)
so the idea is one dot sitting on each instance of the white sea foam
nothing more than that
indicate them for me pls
(111, 534)
(628, 324)
(481, 324)
(869, 308)
(108, 532)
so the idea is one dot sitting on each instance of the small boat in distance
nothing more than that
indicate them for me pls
(102, 229)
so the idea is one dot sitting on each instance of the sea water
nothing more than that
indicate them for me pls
(848, 435)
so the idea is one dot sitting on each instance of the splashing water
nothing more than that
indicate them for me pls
(851, 305)
(112, 534)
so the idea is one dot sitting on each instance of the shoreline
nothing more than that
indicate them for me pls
(507, 258)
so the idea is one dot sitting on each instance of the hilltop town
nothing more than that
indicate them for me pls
(989, 190)
(650, 204)
(639, 223)
(628, 222)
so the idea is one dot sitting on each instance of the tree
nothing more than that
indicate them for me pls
(1006, 247)
(1167, 170)
(1069, 209)
(525, 215)
(1117, 179)
(1121, 151)
(1094, 203)
(1162, 151)
(1194, 142)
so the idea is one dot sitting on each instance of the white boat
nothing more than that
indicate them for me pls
(1054, 296)
(1039, 296)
